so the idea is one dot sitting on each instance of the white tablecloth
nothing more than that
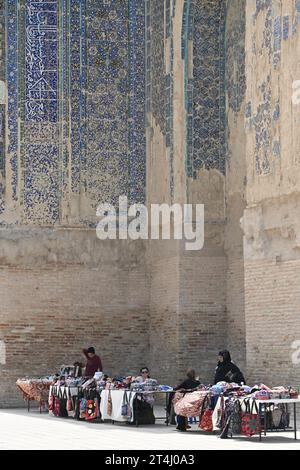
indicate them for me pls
(117, 402)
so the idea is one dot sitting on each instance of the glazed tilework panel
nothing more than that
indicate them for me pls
(263, 116)
(116, 108)
(41, 61)
(235, 59)
(76, 103)
(106, 165)
(41, 99)
(158, 75)
(2, 107)
(12, 70)
(205, 90)
(160, 67)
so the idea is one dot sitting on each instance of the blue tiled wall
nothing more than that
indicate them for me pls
(160, 89)
(2, 108)
(76, 70)
(204, 24)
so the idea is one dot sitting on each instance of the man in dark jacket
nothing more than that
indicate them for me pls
(227, 371)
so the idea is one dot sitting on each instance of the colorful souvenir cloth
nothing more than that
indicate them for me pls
(149, 385)
(189, 404)
(34, 389)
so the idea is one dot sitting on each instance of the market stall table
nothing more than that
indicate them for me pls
(117, 397)
(34, 390)
(262, 411)
(263, 407)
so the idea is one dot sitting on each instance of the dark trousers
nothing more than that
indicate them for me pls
(181, 422)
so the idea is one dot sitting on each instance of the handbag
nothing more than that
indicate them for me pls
(276, 417)
(206, 423)
(250, 421)
(126, 408)
(285, 416)
(56, 410)
(109, 404)
(91, 409)
(82, 408)
(51, 401)
(70, 408)
(235, 419)
(143, 412)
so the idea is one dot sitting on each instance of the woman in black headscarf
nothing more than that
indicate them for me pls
(227, 371)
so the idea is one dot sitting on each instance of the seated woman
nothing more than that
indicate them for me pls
(144, 377)
(144, 401)
(188, 384)
(227, 371)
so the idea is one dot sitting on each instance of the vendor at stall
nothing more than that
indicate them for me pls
(144, 375)
(93, 363)
(227, 371)
(188, 384)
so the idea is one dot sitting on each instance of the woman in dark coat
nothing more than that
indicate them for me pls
(227, 371)
(188, 384)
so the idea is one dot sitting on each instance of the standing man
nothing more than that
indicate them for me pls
(93, 363)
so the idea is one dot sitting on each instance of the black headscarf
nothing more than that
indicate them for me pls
(226, 371)
(226, 356)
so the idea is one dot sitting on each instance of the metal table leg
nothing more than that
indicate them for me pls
(295, 421)
(136, 411)
(167, 414)
(260, 430)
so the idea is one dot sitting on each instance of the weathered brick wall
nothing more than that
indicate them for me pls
(187, 313)
(202, 317)
(164, 312)
(272, 291)
(271, 219)
(155, 304)
(235, 178)
(235, 310)
(49, 312)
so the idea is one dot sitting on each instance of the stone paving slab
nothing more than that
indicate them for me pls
(22, 430)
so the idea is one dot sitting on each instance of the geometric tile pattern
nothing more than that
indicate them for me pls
(204, 24)
(76, 86)
(12, 71)
(157, 57)
(41, 105)
(264, 120)
(235, 60)
(160, 86)
(262, 127)
(2, 107)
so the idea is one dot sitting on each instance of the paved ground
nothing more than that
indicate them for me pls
(22, 430)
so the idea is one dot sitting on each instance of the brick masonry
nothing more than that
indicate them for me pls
(272, 292)
(50, 312)
(154, 303)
